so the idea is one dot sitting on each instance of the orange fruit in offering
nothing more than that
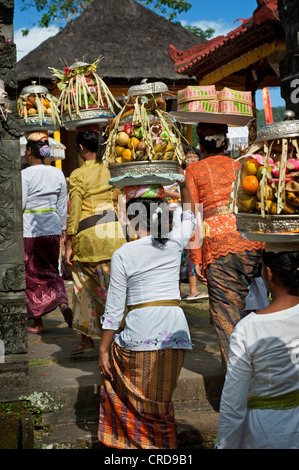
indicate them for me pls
(119, 150)
(251, 166)
(255, 162)
(127, 155)
(133, 142)
(250, 184)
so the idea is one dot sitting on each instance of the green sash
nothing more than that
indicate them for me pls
(280, 402)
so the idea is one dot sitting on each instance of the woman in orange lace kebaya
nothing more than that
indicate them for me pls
(226, 262)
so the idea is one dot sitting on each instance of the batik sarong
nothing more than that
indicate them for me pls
(91, 282)
(136, 410)
(45, 289)
(228, 279)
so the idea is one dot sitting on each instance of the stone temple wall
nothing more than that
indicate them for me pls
(13, 316)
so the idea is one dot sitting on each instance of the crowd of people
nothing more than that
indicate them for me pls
(128, 295)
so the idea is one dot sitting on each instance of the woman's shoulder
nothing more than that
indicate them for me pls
(244, 323)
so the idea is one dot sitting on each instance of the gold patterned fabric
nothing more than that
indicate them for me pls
(155, 303)
(91, 282)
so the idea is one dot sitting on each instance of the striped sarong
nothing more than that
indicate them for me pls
(136, 410)
(228, 279)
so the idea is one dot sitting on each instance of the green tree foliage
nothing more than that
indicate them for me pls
(206, 34)
(169, 7)
(278, 115)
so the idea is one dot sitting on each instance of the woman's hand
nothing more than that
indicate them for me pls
(104, 348)
(69, 250)
(63, 237)
(199, 274)
(68, 255)
(104, 365)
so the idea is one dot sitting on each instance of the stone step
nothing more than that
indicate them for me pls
(196, 430)
(67, 387)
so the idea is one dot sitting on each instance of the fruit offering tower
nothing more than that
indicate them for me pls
(37, 107)
(143, 140)
(266, 191)
(84, 95)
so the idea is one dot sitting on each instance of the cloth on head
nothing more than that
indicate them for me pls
(282, 246)
(151, 191)
(36, 136)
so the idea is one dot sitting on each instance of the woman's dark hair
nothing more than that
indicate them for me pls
(39, 149)
(285, 269)
(93, 141)
(152, 215)
(212, 146)
(190, 149)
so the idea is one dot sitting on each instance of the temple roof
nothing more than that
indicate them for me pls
(261, 30)
(132, 39)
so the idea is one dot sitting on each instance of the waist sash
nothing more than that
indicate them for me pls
(156, 303)
(280, 402)
(108, 216)
(39, 211)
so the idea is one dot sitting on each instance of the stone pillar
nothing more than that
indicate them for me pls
(13, 315)
(289, 66)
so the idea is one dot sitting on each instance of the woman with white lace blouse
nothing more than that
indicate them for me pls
(141, 363)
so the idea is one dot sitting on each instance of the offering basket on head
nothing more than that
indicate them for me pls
(38, 109)
(85, 99)
(265, 197)
(143, 145)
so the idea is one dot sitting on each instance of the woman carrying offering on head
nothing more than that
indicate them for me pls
(226, 262)
(44, 200)
(93, 234)
(142, 363)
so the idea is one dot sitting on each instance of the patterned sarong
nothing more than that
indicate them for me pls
(45, 289)
(89, 295)
(187, 268)
(136, 410)
(228, 279)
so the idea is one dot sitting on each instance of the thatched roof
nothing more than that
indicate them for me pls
(132, 39)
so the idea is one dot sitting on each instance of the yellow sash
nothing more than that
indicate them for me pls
(155, 303)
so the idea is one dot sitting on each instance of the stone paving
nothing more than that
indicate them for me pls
(70, 384)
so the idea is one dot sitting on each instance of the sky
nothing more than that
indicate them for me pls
(221, 15)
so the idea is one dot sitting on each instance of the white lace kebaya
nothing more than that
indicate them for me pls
(142, 272)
